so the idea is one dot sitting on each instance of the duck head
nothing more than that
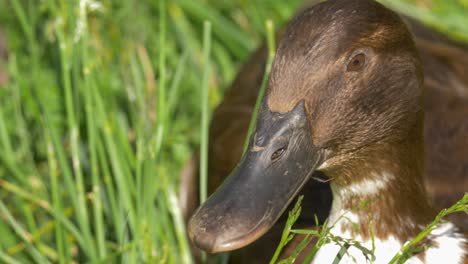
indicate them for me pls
(346, 77)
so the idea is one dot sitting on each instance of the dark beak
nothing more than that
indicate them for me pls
(279, 161)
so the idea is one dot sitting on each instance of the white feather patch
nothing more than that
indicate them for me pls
(449, 246)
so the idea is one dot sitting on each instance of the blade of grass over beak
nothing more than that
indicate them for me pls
(271, 54)
(205, 115)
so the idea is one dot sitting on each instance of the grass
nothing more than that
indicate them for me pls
(105, 102)
(324, 236)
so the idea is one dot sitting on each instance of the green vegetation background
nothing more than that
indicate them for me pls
(101, 105)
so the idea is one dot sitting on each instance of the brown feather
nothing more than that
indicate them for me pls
(445, 65)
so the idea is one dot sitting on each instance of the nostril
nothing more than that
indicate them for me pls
(278, 153)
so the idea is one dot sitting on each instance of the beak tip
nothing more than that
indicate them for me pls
(205, 242)
(200, 237)
(209, 238)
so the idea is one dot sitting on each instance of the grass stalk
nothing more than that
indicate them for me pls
(61, 217)
(73, 136)
(113, 212)
(286, 236)
(237, 41)
(5, 258)
(92, 139)
(60, 236)
(115, 160)
(184, 248)
(5, 142)
(92, 134)
(410, 247)
(271, 54)
(161, 103)
(205, 115)
(43, 231)
(35, 253)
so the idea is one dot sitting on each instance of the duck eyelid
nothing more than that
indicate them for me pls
(361, 50)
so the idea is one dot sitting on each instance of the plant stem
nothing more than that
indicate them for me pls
(205, 112)
(269, 62)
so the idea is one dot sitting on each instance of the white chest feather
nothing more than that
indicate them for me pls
(449, 247)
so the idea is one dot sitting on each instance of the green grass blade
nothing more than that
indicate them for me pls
(35, 253)
(205, 112)
(271, 54)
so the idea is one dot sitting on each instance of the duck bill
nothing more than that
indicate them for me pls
(279, 161)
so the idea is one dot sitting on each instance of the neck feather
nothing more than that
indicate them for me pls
(382, 188)
(381, 202)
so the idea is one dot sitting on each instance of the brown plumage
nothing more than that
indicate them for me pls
(444, 65)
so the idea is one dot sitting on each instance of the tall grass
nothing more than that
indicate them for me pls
(102, 109)
(105, 102)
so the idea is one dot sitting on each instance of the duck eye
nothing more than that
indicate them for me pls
(278, 153)
(356, 62)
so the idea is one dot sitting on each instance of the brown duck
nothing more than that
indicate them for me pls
(356, 100)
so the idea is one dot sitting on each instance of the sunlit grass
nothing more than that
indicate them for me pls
(106, 100)
(323, 235)
(102, 109)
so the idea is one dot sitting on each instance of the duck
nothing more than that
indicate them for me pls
(363, 106)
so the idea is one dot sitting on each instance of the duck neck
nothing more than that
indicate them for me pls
(380, 193)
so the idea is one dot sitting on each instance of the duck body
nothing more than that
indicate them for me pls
(345, 101)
